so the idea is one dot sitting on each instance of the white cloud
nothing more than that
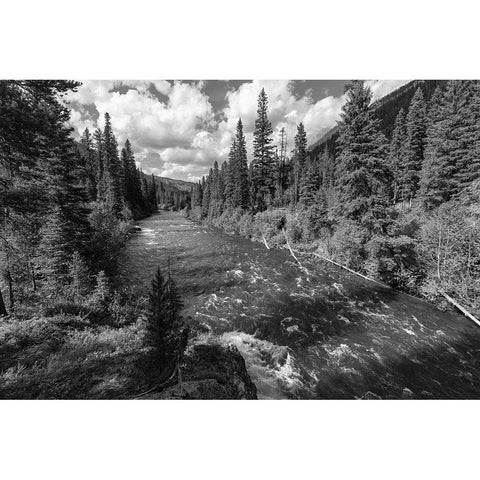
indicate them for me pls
(174, 130)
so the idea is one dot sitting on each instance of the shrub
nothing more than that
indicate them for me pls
(269, 223)
(348, 244)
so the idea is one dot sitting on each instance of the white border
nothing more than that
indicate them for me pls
(226, 40)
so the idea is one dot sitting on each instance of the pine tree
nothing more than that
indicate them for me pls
(299, 160)
(416, 124)
(241, 184)
(113, 171)
(80, 276)
(453, 139)
(86, 156)
(263, 163)
(215, 205)
(100, 295)
(207, 194)
(310, 183)
(231, 176)
(101, 180)
(363, 176)
(166, 331)
(467, 132)
(54, 251)
(397, 154)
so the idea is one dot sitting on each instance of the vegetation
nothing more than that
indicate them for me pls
(394, 198)
(66, 210)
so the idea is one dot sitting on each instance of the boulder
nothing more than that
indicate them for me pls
(212, 372)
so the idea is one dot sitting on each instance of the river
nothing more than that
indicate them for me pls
(319, 333)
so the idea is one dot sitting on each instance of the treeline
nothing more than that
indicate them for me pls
(65, 205)
(170, 197)
(401, 209)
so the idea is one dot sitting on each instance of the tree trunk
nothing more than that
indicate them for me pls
(3, 310)
(10, 290)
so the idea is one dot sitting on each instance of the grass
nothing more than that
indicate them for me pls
(69, 355)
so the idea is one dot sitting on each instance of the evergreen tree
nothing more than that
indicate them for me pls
(310, 183)
(215, 205)
(397, 155)
(80, 276)
(54, 250)
(263, 163)
(416, 124)
(240, 175)
(363, 176)
(467, 132)
(166, 331)
(86, 156)
(113, 172)
(299, 160)
(101, 180)
(207, 194)
(231, 176)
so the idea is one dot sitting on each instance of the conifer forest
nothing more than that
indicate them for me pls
(296, 255)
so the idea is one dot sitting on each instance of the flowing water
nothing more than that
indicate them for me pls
(315, 333)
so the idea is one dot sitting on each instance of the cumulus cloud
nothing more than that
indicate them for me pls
(175, 131)
(285, 111)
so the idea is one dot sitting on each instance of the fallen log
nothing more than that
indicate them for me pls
(462, 309)
(265, 241)
(290, 248)
(350, 270)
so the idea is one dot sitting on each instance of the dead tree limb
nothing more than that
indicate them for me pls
(265, 241)
(462, 309)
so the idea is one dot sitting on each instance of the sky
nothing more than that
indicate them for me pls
(179, 128)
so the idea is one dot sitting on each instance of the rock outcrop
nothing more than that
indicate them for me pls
(212, 372)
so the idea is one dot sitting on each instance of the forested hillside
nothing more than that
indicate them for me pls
(397, 201)
(172, 194)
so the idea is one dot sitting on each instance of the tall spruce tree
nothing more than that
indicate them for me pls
(241, 185)
(231, 176)
(398, 151)
(263, 163)
(86, 156)
(416, 124)
(207, 194)
(310, 183)
(215, 205)
(363, 176)
(113, 170)
(299, 160)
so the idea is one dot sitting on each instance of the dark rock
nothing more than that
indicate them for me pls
(213, 372)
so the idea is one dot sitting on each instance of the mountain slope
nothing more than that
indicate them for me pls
(386, 108)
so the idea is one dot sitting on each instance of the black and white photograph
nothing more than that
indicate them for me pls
(240, 239)
(220, 203)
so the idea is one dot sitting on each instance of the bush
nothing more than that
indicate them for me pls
(245, 225)
(393, 260)
(109, 236)
(269, 223)
(348, 244)
(294, 227)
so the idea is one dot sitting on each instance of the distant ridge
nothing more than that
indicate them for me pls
(172, 183)
(386, 109)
